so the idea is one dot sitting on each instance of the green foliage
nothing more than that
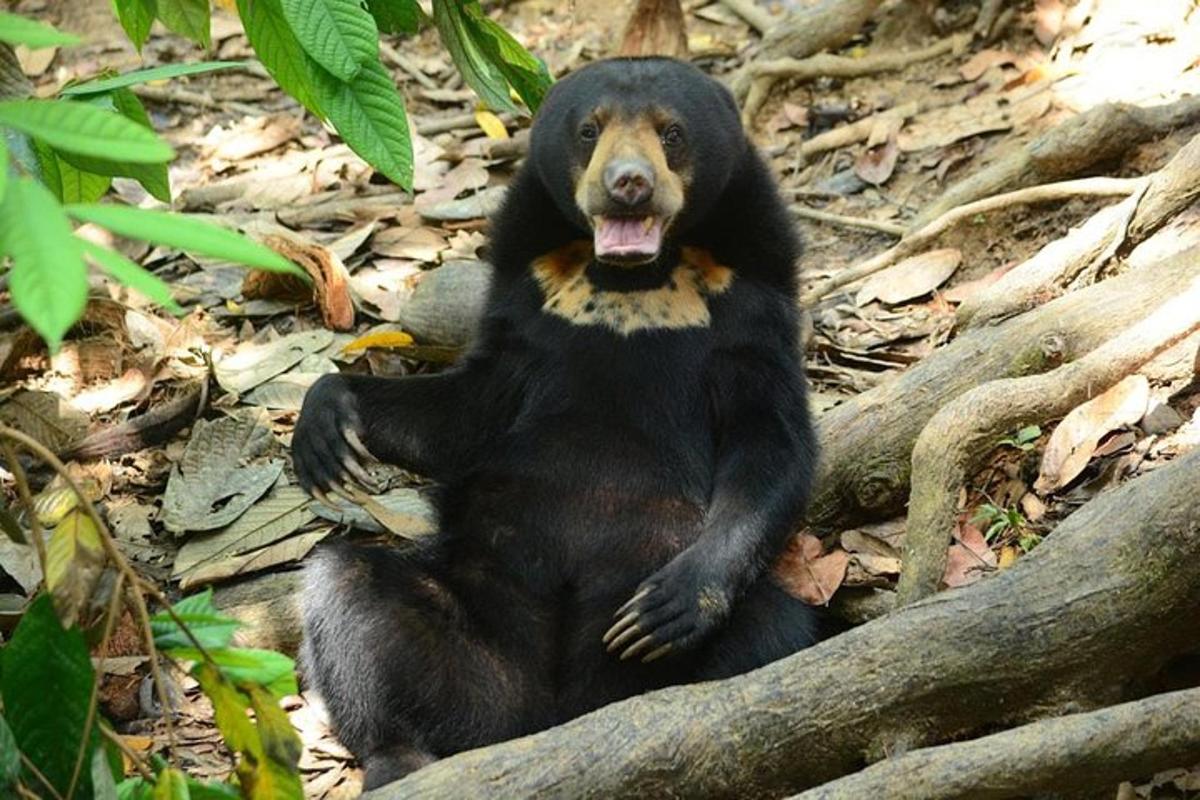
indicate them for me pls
(396, 16)
(190, 234)
(81, 128)
(10, 757)
(136, 17)
(3, 167)
(279, 50)
(191, 19)
(1025, 439)
(209, 627)
(337, 34)
(48, 280)
(999, 520)
(137, 76)
(46, 685)
(16, 29)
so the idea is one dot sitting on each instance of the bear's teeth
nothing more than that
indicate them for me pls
(647, 224)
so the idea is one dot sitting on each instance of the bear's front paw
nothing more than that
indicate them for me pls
(671, 611)
(327, 444)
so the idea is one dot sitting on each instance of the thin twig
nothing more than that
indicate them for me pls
(37, 773)
(890, 228)
(412, 70)
(35, 524)
(920, 238)
(94, 699)
(134, 757)
(114, 555)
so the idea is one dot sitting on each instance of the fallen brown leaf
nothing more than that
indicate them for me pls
(805, 573)
(912, 277)
(1075, 439)
(968, 558)
(330, 280)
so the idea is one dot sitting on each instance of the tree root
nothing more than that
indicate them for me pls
(764, 74)
(890, 228)
(809, 30)
(1088, 248)
(1096, 606)
(919, 239)
(755, 15)
(866, 442)
(1096, 750)
(1100, 134)
(960, 436)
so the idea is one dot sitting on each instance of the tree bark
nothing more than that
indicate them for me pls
(961, 435)
(866, 442)
(1096, 750)
(1098, 604)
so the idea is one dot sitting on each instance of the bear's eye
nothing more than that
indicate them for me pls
(672, 136)
(589, 131)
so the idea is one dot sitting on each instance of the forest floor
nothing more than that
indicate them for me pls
(410, 263)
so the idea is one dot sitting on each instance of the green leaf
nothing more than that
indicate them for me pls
(73, 127)
(147, 75)
(135, 277)
(48, 279)
(339, 34)
(3, 167)
(279, 50)
(104, 787)
(136, 17)
(457, 32)
(210, 628)
(15, 29)
(187, 233)
(396, 16)
(247, 665)
(188, 18)
(278, 778)
(154, 177)
(171, 785)
(212, 791)
(10, 757)
(135, 788)
(80, 185)
(524, 72)
(46, 684)
(369, 115)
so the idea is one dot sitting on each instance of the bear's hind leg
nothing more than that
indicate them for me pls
(416, 661)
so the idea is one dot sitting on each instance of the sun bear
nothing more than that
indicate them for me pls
(621, 455)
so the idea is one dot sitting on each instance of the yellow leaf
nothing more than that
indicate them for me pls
(74, 561)
(53, 504)
(490, 124)
(1008, 556)
(384, 340)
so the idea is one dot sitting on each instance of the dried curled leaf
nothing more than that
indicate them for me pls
(1074, 441)
(911, 278)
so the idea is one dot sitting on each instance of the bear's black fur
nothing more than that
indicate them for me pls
(627, 442)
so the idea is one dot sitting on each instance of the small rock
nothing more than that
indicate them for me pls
(1161, 418)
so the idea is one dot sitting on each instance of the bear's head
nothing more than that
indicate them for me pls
(636, 152)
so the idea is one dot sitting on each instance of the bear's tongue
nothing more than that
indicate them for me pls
(628, 236)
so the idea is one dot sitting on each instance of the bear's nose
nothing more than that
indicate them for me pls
(629, 181)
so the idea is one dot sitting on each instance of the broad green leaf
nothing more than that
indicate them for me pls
(229, 710)
(188, 233)
(396, 16)
(210, 628)
(48, 280)
(153, 177)
(10, 758)
(244, 665)
(79, 185)
(136, 17)
(135, 788)
(277, 48)
(189, 18)
(15, 29)
(3, 167)
(524, 72)
(104, 787)
(146, 75)
(339, 34)
(46, 684)
(369, 114)
(135, 277)
(72, 127)
(457, 33)
(171, 785)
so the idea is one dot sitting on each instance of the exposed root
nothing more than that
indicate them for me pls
(1096, 751)
(960, 436)
(890, 228)
(921, 238)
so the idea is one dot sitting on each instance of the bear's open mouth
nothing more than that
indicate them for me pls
(628, 238)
